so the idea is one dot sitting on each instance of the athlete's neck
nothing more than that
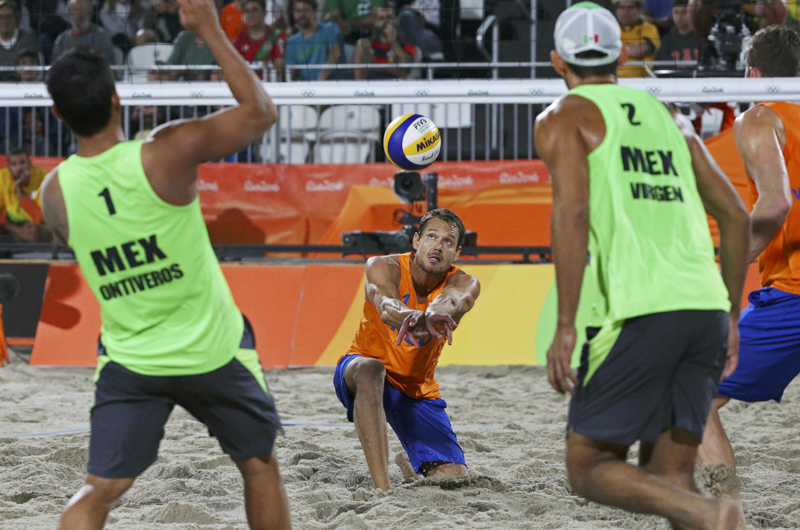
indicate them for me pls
(101, 142)
(573, 80)
(424, 283)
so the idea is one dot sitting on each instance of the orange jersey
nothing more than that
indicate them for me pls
(779, 263)
(408, 368)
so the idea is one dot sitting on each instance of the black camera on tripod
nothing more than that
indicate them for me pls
(728, 38)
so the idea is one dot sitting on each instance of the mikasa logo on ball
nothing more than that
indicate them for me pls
(427, 142)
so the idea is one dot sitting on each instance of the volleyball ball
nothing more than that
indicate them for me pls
(412, 142)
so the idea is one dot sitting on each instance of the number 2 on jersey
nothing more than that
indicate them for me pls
(107, 196)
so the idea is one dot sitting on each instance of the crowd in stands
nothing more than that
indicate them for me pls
(280, 33)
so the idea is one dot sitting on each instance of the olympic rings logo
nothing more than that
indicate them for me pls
(773, 89)
(537, 91)
(196, 94)
(654, 89)
(307, 93)
(421, 92)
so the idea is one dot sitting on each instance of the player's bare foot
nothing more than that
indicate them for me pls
(729, 516)
(402, 461)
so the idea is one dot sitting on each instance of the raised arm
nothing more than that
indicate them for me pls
(564, 146)
(760, 137)
(723, 204)
(171, 157)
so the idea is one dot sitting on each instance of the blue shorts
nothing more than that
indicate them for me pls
(421, 425)
(769, 351)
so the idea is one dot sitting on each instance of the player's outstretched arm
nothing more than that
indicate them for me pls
(446, 310)
(563, 145)
(760, 137)
(175, 149)
(54, 210)
(383, 277)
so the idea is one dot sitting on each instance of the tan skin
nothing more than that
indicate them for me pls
(760, 138)
(8, 22)
(662, 484)
(170, 158)
(435, 251)
(386, 23)
(20, 168)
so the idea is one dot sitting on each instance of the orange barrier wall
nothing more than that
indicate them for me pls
(306, 315)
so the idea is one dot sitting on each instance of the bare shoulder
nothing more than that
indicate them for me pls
(759, 118)
(571, 117)
(54, 210)
(464, 281)
(383, 268)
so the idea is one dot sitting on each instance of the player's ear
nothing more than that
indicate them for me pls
(752, 71)
(623, 56)
(415, 241)
(115, 100)
(458, 254)
(558, 63)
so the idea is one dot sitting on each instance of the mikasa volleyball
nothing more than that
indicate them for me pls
(412, 142)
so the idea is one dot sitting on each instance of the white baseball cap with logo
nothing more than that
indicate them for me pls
(585, 27)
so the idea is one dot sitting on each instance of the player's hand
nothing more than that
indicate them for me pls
(440, 325)
(732, 359)
(410, 328)
(199, 16)
(559, 373)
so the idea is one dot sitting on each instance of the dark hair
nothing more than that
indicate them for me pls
(775, 51)
(448, 217)
(81, 84)
(591, 71)
(30, 54)
(676, 3)
(261, 3)
(312, 3)
(18, 150)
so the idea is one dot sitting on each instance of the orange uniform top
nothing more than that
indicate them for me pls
(408, 368)
(230, 18)
(779, 263)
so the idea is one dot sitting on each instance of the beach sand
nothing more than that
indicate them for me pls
(508, 420)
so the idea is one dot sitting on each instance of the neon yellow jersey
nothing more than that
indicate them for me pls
(166, 307)
(650, 247)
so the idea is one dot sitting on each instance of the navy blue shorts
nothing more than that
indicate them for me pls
(421, 425)
(769, 347)
(130, 411)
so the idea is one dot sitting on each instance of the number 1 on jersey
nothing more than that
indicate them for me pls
(107, 196)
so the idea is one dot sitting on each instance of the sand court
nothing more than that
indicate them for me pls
(508, 420)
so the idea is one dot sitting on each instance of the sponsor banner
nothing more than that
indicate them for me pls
(310, 319)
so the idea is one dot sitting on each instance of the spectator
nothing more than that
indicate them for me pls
(640, 37)
(168, 23)
(772, 13)
(657, 12)
(47, 22)
(29, 57)
(122, 19)
(84, 33)
(384, 48)
(20, 201)
(411, 27)
(145, 36)
(682, 43)
(259, 43)
(36, 128)
(189, 49)
(354, 17)
(231, 18)
(314, 43)
(13, 39)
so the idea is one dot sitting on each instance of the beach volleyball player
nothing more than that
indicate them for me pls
(631, 188)
(413, 303)
(171, 333)
(768, 138)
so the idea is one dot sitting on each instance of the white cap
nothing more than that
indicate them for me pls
(587, 27)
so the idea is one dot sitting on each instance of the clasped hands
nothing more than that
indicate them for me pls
(418, 325)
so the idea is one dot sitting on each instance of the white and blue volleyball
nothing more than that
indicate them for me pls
(412, 142)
